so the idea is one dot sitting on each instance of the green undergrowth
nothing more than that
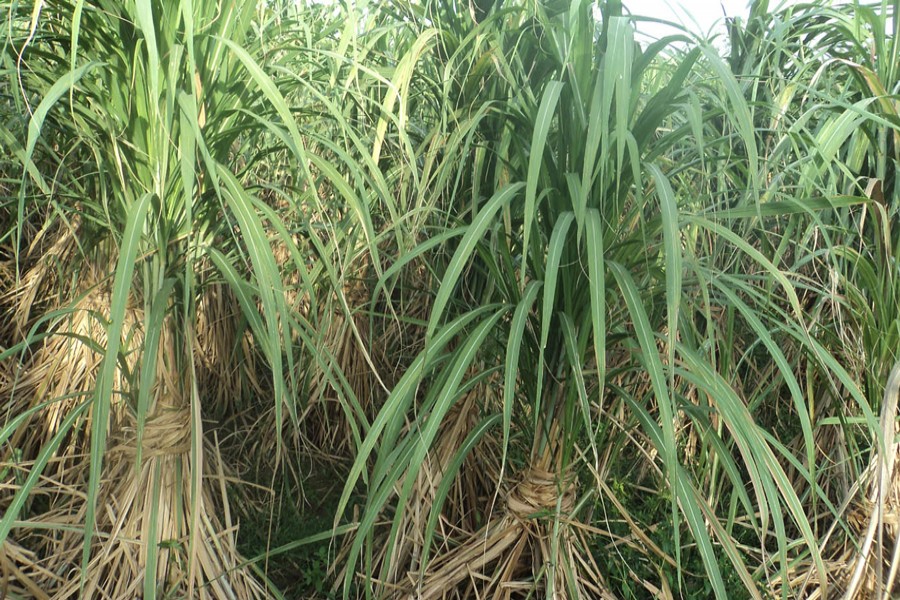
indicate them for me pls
(627, 563)
(290, 535)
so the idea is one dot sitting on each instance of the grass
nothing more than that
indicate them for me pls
(445, 300)
(295, 514)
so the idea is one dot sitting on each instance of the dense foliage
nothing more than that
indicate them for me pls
(434, 299)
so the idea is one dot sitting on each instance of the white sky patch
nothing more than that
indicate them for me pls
(705, 18)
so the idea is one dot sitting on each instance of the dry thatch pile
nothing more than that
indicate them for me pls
(225, 359)
(162, 515)
(863, 556)
(489, 538)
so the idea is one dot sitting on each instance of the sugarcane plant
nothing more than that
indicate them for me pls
(587, 280)
(133, 200)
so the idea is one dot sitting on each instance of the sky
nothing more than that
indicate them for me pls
(703, 17)
(699, 16)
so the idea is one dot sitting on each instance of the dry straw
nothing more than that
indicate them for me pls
(522, 542)
(864, 559)
(151, 505)
(344, 359)
(162, 511)
(20, 572)
(226, 362)
(531, 526)
(58, 373)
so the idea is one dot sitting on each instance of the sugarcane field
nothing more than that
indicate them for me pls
(450, 299)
